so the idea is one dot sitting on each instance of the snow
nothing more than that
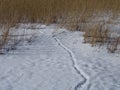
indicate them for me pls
(58, 60)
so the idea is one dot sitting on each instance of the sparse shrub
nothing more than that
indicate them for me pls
(4, 38)
(113, 43)
(96, 35)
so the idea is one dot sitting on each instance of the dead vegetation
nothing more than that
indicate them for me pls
(75, 15)
(96, 34)
(50, 11)
(99, 35)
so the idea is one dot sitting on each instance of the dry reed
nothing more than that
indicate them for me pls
(73, 14)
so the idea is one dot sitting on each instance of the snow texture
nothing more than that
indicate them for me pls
(58, 60)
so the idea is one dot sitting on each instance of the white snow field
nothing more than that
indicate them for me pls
(58, 59)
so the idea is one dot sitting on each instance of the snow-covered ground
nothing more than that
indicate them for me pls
(58, 60)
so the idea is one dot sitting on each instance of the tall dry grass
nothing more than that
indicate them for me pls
(51, 10)
(74, 14)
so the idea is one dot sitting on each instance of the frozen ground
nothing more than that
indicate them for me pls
(58, 60)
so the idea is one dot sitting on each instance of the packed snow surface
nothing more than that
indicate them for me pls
(58, 59)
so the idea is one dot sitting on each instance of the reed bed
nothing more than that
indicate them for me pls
(75, 15)
(51, 10)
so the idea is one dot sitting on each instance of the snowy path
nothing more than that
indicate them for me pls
(58, 60)
(73, 59)
(101, 67)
